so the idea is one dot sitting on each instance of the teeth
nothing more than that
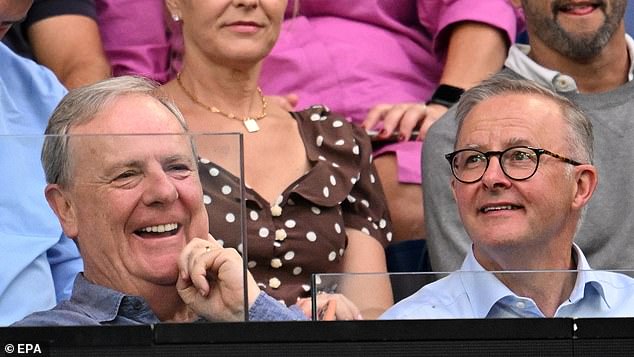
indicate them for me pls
(497, 208)
(160, 228)
(571, 7)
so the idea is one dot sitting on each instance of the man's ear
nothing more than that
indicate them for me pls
(58, 200)
(453, 189)
(586, 179)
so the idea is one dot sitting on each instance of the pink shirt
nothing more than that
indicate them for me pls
(139, 37)
(352, 55)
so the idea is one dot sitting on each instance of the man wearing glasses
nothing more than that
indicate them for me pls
(522, 175)
(580, 50)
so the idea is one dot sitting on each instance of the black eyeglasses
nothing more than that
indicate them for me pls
(517, 162)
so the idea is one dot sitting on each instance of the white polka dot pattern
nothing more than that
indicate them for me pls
(302, 230)
(332, 256)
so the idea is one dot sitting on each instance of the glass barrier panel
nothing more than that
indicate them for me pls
(131, 203)
(474, 294)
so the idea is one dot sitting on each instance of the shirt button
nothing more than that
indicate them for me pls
(280, 234)
(276, 263)
(520, 305)
(276, 211)
(274, 283)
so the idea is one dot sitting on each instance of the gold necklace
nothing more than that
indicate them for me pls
(250, 123)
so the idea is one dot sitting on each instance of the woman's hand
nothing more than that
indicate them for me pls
(403, 119)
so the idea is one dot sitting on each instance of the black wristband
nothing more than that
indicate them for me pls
(446, 95)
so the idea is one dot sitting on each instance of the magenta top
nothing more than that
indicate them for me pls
(139, 37)
(352, 55)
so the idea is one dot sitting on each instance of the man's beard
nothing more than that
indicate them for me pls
(578, 46)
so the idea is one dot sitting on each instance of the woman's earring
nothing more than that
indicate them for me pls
(176, 18)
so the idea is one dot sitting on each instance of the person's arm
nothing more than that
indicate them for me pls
(372, 293)
(71, 47)
(475, 51)
(473, 38)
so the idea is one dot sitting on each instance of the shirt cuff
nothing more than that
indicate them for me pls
(265, 308)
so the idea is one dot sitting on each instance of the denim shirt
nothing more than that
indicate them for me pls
(93, 304)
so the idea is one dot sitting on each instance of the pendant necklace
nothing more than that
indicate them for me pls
(250, 123)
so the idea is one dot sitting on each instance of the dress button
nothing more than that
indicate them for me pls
(280, 234)
(276, 263)
(274, 283)
(276, 211)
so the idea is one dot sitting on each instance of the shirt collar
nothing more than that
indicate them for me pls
(588, 278)
(519, 62)
(103, 304)
(485, 290)
(482, 287)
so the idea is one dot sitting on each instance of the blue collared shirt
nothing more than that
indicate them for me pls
(473, 292)
(36, 261)
(93, 304)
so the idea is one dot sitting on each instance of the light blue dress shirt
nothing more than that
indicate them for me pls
(473, 292)
(36, 261)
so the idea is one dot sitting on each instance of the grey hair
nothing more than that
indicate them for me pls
(580, 140)
(82, 105)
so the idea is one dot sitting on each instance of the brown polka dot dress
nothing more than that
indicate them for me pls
(303, 231)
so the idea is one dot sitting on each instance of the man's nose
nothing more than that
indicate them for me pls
(160, 189)
(494, 176)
